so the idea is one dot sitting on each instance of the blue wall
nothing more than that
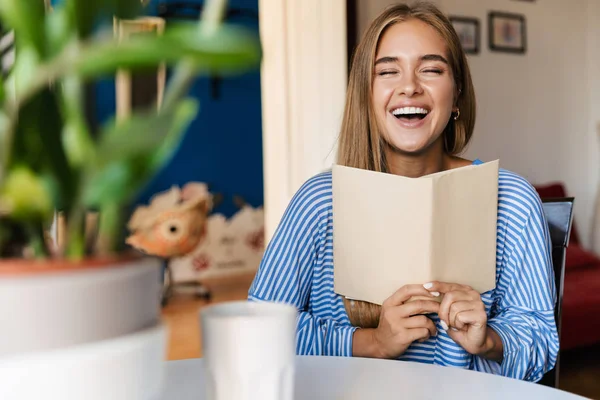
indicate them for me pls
(223, 145)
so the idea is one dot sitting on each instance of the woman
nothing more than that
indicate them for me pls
(410, 111)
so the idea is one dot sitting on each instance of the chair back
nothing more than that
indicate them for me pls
(559, 216)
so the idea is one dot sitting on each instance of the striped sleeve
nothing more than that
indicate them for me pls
(523, 311)
(285, 272)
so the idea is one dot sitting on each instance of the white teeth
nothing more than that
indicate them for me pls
(409, 110)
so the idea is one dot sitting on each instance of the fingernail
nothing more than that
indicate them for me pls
(428, 285)
(435, 294)
(444, 325)
(454, 329)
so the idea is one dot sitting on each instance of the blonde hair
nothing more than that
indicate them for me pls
(360, 143)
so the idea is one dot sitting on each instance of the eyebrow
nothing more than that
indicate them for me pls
(426, 57)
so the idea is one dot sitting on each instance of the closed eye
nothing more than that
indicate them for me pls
(434, 71)
(384, 73)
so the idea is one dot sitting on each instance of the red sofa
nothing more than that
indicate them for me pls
(581, 295)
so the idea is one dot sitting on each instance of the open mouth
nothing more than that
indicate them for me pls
(410, 114)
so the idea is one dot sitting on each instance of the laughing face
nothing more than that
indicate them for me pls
(413, 87)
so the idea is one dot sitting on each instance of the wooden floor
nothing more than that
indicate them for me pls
(181, 314)
(580, 370)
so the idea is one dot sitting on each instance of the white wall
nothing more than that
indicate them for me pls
(594, 99)
(538, 112)
(303, 79)
(366, 10)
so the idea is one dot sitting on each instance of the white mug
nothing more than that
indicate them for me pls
(249, 350)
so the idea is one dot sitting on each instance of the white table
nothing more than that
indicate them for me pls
(360, 378)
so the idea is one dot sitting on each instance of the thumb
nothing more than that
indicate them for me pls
(472, 318)
(456, 334)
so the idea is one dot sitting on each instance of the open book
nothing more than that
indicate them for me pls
(390, 230)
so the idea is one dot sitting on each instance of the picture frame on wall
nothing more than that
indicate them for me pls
(468, 31)
(507, 32)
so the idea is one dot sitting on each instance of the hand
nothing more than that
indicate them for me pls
(400, 323)
(463, 312)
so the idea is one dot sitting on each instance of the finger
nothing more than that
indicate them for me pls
(421, 321)
(475, 318)
(457, 307)
(447, 301)
(395, 316)
(431, 327)
(418, 307)
(445, 287)
(418, 321)
(417, 334)
(404, 293)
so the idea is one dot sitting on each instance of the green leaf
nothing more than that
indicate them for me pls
(37, 141)
(26, 17)
(2, 91)
(25, 195)
(77, 146)
(230, 50)
(84, 14)
(57, 31)
(110, 184)
(111, 232)
(27, 144)
(142, 133)
(52, 187)
(4, 147)
(76, 138)
(23, 71)
(185, 114)
(130, 151)
(126, 9)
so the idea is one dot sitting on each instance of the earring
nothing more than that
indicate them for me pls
(457, 114)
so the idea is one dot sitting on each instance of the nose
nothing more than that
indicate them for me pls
(409, 85)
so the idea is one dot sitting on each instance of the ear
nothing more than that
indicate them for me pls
(138, 217)
(194, 189)
(134, 240)
(203, 205)
(456, 97)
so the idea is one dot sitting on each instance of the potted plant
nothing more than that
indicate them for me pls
(58, 302)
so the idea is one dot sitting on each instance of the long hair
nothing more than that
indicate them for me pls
(361, 144)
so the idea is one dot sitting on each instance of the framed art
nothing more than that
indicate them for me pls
(468, 32)
(507, 32)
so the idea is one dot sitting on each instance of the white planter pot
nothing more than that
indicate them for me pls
(57, 309)
(130, 367)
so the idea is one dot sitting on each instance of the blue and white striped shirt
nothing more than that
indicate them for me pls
(297, 268)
